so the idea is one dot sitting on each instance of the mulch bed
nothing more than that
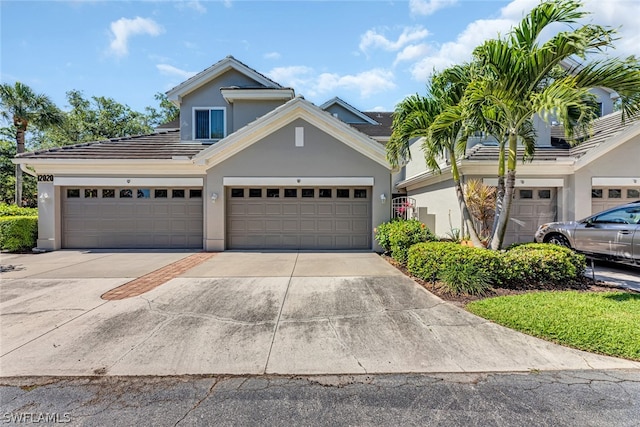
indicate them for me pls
(584, 285)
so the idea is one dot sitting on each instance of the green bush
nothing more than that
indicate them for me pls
(15, 210)
(465, 278)
(397, 236)
(541, 263)
(425, 260)
(18, 233)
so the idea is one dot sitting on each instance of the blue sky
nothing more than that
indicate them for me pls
(370, 53)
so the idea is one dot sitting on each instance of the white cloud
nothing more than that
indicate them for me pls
(272, 55)
(427, 7)
(170, 70)
(374, 39)
(412, 52)
(195, 5)
(308, 82)
(124, 28)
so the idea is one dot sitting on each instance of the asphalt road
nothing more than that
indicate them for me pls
(560, 398)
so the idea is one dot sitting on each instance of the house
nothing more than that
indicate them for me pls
(249, 165)
(561, 182)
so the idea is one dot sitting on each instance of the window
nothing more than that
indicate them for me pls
(342, 193)
(526, 194)
(237, 192)
(195, 193)
(108, 193)
(273, 192)
(615, 193)
(126, 193)
(596, 193)
(544, 194)
(144, 193)
(290, 192)
(360, 193)
(72, 193)
(177, 194)
(324, 193)
(209, 123)
(255, 192)
(160, 193)
(619, 216)
(90, 193)
(307, 192)
(633, 193)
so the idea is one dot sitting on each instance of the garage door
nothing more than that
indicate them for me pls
(131, 218)
(531, 207)
(298, 218)
(603, 198)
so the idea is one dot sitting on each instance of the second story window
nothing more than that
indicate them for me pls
(209, 123)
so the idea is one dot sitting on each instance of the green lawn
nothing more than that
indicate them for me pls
(599, 322)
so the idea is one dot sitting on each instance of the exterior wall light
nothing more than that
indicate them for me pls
(214, 197)
(383, 198)
(44, 197)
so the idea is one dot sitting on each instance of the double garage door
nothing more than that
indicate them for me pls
(116, 218)
(298, 218)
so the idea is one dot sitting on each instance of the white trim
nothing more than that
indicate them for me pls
(615, 181)
(336, 100)
(240, 94)
(529, 182)
(193, 122)
(78, 181)
(297, 182)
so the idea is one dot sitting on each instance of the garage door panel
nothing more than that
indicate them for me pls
(527, 213)
(299, 222)
(131, 222)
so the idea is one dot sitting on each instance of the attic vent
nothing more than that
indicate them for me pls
(335, 115)
(379, 116)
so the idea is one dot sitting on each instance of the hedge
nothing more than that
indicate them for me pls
(397, 236)
(15, 210)
(18, 233)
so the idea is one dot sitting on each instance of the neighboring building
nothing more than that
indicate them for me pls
(249, 165)
(561, 183)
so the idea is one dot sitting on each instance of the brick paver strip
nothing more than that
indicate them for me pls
(156, 278)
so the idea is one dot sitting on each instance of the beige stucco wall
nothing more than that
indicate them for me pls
(277, 156)
(440, 200)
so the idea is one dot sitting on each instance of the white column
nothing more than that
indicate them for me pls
(48, 238)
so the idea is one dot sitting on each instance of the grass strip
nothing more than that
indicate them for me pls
(599, 322)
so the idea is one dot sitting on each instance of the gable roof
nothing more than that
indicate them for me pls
(382, 127)
(337, 101)
(297, 108)
(217, 69)
(157, 146)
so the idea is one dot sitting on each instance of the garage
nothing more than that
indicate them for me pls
(603, 198)
(531, 207)
(298, 217)
(141, 218)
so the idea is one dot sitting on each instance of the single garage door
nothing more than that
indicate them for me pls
(298, 218)
(115, 218)
(603, 198)
(531, 207)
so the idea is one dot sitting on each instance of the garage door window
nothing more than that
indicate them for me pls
(615, 193)
(290, 192)
(177, 194)
(195, 194)
(596, 193)
(144, 193)
(73, 193)
(160, 193)
(108, 193)
(342, 193)
(307, 192)
(255, 192)
(324, 193)
(90, 193)
(633, 194)
(526, 194)
(273, 192)
(126, 193)
(360, 193)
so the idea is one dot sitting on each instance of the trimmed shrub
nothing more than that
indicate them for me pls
(15, 210)
(396, 237)
(18, 233)
(541, 263)
(425, 260)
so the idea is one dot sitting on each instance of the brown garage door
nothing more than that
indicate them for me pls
(115, 218)
(531, 207)
(298, 218)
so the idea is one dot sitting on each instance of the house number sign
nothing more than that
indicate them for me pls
(45, 178)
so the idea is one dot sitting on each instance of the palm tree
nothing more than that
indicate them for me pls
(20, 105)
(522, 77)
(438, 119)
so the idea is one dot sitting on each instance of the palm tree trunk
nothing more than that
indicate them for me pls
(19, 149)
(466, 215)
(499, 191)
(502, 220)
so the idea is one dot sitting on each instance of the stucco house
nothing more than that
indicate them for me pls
(561, 183)
(250, 165)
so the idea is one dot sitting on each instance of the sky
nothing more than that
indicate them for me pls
(370, 53)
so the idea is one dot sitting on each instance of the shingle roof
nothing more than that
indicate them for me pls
(490, 152)
(158, 146)
(603, 129)
(380, 130)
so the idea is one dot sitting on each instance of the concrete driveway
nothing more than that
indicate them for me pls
(248, 313)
